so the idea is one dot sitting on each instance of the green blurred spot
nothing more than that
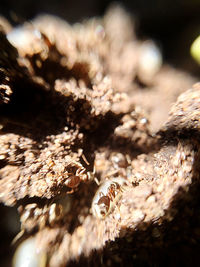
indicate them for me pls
(195, 49)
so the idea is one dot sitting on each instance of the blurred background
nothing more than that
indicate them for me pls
(173, 23)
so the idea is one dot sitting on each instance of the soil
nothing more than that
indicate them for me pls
(78, 112)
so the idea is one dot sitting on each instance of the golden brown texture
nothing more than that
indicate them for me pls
(73, 119)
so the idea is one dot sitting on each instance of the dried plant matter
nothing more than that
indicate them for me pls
(72, 121)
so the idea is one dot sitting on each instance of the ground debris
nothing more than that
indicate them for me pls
(75, 114)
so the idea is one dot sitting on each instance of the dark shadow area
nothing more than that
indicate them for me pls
(32, 111)
(84, 193)
(10, 227)
(173, 135)
(35, 113)
(133, 147)
(51, 69)
(29, 200)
